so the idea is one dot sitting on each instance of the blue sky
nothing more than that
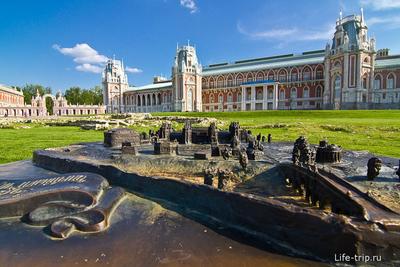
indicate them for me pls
(64, 43)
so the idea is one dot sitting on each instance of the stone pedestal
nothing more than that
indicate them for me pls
(115, 137)
(165, 148)
(129, 149)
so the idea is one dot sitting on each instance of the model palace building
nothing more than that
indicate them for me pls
(348, 74)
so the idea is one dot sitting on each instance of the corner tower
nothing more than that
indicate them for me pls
(349, 65)
(186, 80)
(115, 83)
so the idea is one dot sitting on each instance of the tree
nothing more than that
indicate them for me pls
(30, 90)
(73, 95)
(76, 95)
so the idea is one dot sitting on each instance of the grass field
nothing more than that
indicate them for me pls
(18, 144)
(375, 131)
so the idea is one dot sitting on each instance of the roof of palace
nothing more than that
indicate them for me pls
(311, 57)
(10, 90)
(387, 62)
(158, 85)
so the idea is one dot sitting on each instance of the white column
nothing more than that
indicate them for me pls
(275, 97)
(265, 97)
(243, 98)
(253, 98)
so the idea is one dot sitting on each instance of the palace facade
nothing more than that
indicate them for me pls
(12, 105)
(348, 74)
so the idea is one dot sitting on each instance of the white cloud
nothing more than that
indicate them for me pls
(289, 34)
(87, 67)
(133, 70)
(89, 59)
(381, 4)
(390, 22)
(189, 4)
(82, 53)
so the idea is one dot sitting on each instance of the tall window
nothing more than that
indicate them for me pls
(220, 99)
(211, 98)
(220, 82)
(239, 80)
(211, 83)
(248, 93)
(319, 73)
(377, 82)
(282, 76)
(306, 74)
(293, 93)
(260, 76)
(338, 84)
(230, 98)
(293, 77)
(390, 81)
(306, 93)
(230, 81)
(239, 97)
(282, 94)
(364, 82)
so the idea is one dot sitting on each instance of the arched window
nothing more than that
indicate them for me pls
(230, 98)
(249, 77)
(220, 82)
(319, 72)
(294, 75)
(306, 74)
(220, 99)
(211, 98)
(260, 76)
(377, 82)
(390, 81)
(282, 76)
(239, 79)
(259, 94)
(138, 100)
(230, 80)
(211, 82)
(365, 81)
(271, 76)
(239, 97)
(148, 100)
(282, 94)
(306, 93)
(293, 93)
(204, 83)
(337, 86)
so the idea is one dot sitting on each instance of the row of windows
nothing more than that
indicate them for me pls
(281, 77)
(390, 81)
(259, 95)
(147, 100)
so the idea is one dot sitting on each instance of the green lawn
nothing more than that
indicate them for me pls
(376, 131)
(18, 144)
